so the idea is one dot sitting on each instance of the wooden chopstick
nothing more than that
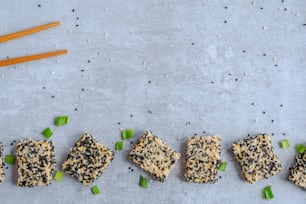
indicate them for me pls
(28, 31)
(28, 58)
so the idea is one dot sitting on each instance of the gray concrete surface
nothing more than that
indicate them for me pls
(181, 67)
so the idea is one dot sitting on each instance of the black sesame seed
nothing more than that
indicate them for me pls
(285, 9)
(77, 18)
(77, 25)
(261, 8)
(53, 96)
(73, 10)
(225, 7)
(253, 104)
(264, 54)
(149, 111)
(38, 5)
(149, 82)
(236, 79)
(275, 65)
(44, 87)
(244, 51)
(263, 112)
(192, 43)
(225, 21)
(75, 109)
(83, 89)
(88, 61)
(82, 70)
(131, 115)
(119, 123)
(272, 121)
(281, 105)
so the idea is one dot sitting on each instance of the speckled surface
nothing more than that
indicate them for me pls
(230, 68)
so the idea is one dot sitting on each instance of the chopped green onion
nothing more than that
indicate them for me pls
(47, 133)
(284, 144)
(61, 120)
(222, 166)
(58, 175)
(267, 193)
(118, 145)
(300, 148)
(127, 134)
(143, 182)
(95, 190)
(9, 159)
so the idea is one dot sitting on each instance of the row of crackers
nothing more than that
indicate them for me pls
(88, 159)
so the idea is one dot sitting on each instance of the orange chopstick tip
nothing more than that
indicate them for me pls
(29, 58)
(28, 31)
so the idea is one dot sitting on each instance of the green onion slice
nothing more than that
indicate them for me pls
(95, 190)
(9, 159)
(118, 145)
(58, 175)
(267, 193)
(47, 133)
(127, 134)
(300, 148)
(143, 182)
(284, 144)
(61, 120)
(222, 166)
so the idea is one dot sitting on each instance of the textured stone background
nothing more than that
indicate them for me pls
(180, 67)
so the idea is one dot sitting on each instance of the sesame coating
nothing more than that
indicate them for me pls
(203, 159)
(257, 158)
(1, 163)
(298, 171)
(87, 160)
(35, 162)
(154, 156)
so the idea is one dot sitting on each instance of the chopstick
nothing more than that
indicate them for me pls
(28, 31)
(28, 58)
